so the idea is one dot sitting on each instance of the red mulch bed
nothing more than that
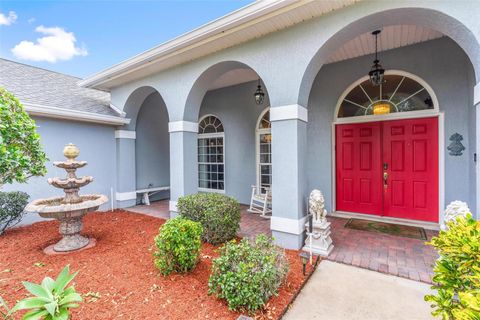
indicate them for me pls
(120, 268)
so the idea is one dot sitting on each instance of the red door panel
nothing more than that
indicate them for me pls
(410, 151)
(358, 162)
(406, 151)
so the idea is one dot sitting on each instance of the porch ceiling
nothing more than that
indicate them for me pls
(391, 37)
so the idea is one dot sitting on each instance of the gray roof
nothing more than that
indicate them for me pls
(52, 89)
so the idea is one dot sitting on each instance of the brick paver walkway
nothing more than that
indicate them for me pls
(399, 256)
(250, 224)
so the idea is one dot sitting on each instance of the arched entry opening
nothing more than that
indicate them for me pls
(430, 62)
(223, 97)
(144, 150)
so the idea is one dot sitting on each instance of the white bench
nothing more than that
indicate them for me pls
(147, 193)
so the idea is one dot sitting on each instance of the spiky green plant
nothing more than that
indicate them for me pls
(51, 300)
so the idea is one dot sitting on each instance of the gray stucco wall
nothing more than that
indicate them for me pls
(443, 65)
(152, 145)
(97, 147)
(236, 108)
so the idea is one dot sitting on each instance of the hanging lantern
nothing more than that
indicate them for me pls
(259, 94)
(376, 72)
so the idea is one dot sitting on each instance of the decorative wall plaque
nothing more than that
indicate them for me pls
(456, 147)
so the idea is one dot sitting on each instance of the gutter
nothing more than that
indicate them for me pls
(59, 113)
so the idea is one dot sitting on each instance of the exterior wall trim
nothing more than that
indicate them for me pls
(476, 94)
(289, 112)
(292, 226)
(59, 113)
(183, 126)
(123, 196)
(125, 134)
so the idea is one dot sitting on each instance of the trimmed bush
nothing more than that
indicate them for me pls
(218, 214)
(457, 271)
(248, 273)
(11, 208)
(178, 246)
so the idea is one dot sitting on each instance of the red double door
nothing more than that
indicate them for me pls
(388, 168)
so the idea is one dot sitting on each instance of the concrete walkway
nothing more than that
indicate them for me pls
(337, 291)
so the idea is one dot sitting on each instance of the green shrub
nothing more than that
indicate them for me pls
(457, 271)
(218, 214)
(178, 246)
(11, 208)
(52, 299)
(248, 273)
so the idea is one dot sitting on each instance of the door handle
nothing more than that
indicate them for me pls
(385, 179)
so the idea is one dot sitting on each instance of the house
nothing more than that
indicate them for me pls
(392, 140)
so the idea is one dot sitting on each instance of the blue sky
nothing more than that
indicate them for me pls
(84, 37)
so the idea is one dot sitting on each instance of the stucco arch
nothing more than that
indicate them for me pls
(135, 101)
(426, 17)
(203, 83)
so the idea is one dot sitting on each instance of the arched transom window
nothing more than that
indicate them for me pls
(211, 155)
(210, 124)
(399, 93)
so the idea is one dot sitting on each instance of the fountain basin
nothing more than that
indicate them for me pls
(70, 216)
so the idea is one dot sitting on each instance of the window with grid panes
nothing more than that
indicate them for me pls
(211, 165)
(264, 150)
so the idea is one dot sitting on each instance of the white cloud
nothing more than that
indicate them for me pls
(31, 20)
(8, 20)
(56, 44)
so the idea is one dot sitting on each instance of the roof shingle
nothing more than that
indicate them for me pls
(32, 85)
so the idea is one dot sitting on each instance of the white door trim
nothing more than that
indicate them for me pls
(441, 158)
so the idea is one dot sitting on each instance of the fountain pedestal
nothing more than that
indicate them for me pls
(71, 208)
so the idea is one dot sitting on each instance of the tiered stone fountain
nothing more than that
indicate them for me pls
(71, 208)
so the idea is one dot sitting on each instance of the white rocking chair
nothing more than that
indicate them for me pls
(261, 202)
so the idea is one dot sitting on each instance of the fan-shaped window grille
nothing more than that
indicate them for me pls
(399, 93)
(265, 121)
(210, 124)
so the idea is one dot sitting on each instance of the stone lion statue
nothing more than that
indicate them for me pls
(316, 203)
(454, 209)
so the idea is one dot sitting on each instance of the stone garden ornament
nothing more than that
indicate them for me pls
(454, 209)
(71, 208)
(318, 232)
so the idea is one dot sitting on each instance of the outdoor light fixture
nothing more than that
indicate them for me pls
(376, 72)
(381, 108)
(259, 94)
(304, 257)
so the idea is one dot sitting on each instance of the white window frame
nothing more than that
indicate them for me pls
(259, 132)
(206, 136)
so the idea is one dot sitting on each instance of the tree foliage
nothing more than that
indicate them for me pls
(21, 154)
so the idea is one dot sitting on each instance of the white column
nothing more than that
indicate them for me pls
(476, 104)
(183, 161)
(126, 175)
(289, 146)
